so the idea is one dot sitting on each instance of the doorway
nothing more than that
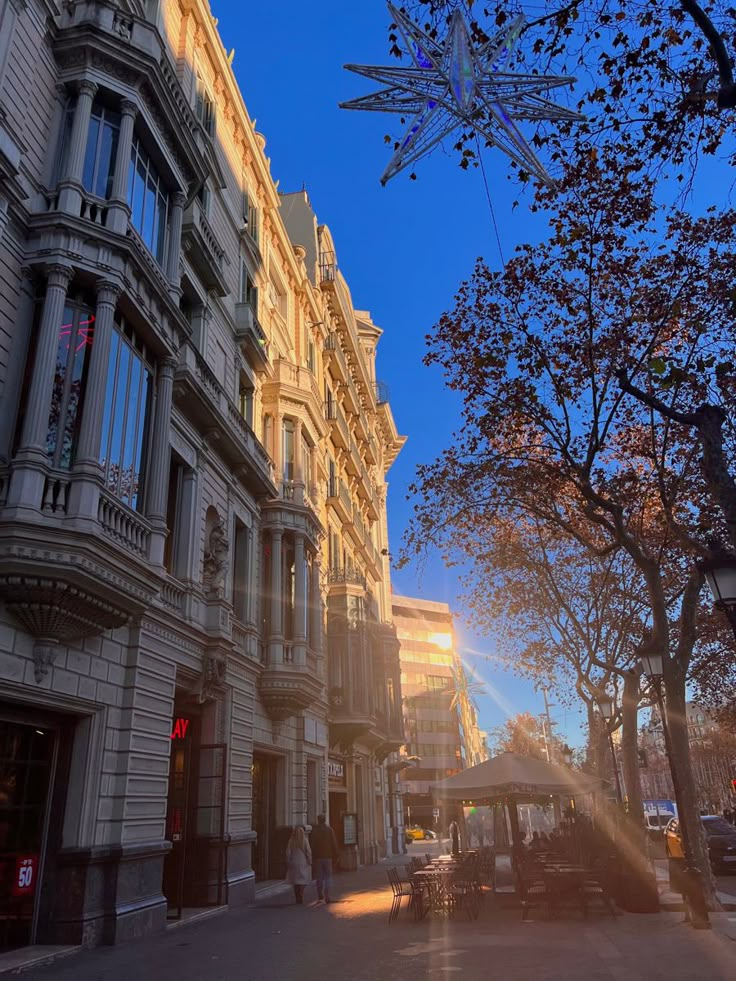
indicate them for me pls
(264, 772)
(27, 758)
(194, 868)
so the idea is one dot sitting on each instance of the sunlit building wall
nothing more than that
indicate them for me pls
(193, 449)
(440, 718)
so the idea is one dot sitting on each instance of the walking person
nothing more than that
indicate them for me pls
(324, 852)
(298, 862)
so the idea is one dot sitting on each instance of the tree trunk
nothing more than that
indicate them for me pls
(687, 808)
(629, 748)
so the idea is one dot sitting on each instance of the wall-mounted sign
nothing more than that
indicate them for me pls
(24, 880)
(336, 770)
(181, 728)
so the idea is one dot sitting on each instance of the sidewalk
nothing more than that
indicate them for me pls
(276, 940)
(672, 901)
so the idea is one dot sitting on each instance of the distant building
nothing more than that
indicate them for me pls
(712, 756)
(440, 719)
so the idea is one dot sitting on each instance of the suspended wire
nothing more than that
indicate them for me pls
(490, 203)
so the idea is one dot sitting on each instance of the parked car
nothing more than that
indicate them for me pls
(721, 842)
(417, 833)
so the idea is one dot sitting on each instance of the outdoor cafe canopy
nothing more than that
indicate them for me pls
(512, 775)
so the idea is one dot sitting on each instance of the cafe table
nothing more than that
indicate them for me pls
(435, 881)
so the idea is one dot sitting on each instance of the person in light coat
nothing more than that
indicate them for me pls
(298, 862)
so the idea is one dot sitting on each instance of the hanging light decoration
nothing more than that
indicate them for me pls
(455, 84)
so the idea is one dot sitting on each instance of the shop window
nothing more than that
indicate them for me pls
(72, 357)
(126, 415)
(149, 201)
(312, 791)
(99, 157)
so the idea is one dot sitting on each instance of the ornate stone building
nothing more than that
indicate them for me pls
(195, 651)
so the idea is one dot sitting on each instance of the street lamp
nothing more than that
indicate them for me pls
(653, 666)
(566, 755)
(720, 574)
(606, 708)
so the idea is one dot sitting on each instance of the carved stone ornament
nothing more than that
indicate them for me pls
(55, 612)
(212, 676)
(215, 557)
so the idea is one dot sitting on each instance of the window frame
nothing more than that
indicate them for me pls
(139, 155)
(125, 339)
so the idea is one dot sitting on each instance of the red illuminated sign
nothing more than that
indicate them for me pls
(24, 880)
(181, 727)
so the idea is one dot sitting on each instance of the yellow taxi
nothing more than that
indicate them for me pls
(721, 838)
(416, 833)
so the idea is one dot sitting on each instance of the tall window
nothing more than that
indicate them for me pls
(72, 357)
(102, 144)
(174, 514)
(288, 449)
(127, 412)
(245, 400)
(307, 464)
(65, 141)
(148, 200)
(205, 108)
(241, 559)
(248, 291)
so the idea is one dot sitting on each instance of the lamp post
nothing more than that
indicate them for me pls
(566, 754)
(720, 574)
(606, 708)
(653, 667)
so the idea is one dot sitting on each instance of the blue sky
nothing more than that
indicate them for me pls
(404, 249)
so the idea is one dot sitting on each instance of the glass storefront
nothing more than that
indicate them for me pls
(26, 767)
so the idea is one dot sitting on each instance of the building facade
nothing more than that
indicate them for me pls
(712, 758)
(440, 718)
(195, 647)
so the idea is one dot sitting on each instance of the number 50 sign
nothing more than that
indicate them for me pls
(24, 882)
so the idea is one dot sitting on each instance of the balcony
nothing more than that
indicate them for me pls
(66, 575)
(288, 689)
(202, 399)
(338, 424)
(202, 248)
(346, 577)
(336, 357)
(249, 332)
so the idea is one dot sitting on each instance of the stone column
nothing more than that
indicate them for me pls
(298, 463)
(158, 477)
(276, 640)
(85, 492)
(19, 348)
(118, 213)
(300, 601)
(176, 217)
(70, 185)
(31, 460)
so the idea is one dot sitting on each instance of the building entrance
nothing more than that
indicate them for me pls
(27, 756)
(194, 869)
(264, 772)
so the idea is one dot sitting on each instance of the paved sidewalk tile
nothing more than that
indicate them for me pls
(351, 939)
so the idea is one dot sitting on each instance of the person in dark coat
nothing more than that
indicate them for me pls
(324, 852)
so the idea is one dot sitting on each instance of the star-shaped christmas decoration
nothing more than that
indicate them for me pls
(453, 84)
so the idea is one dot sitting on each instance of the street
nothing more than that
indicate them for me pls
(351, 939)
